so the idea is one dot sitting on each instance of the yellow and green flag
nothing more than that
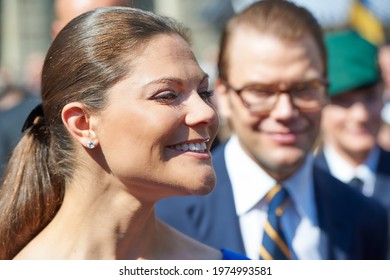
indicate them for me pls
(363, 20)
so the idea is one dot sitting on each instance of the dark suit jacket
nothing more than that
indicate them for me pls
(382, 183)
(355, 226)
(11, 123)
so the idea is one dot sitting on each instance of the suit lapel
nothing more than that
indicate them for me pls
(333, 216)
(382, 181)
(221, 203)
(321, 161)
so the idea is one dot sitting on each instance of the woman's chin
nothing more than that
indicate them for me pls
(205, 187)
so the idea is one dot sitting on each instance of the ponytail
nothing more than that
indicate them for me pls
(29, 196)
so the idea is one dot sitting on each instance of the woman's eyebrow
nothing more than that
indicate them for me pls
(166, 80)
(175, 80)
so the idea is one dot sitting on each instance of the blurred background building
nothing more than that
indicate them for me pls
(25, 25)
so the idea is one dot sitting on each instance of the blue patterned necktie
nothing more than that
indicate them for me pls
(274, 245)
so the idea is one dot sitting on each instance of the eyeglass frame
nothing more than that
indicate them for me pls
(321, 82)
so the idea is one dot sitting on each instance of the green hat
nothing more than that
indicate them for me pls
(352, 62)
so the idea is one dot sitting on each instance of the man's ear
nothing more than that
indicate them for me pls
(222, 99)
(77, 121)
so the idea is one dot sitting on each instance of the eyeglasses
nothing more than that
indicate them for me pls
(261, 99)
(370, 96)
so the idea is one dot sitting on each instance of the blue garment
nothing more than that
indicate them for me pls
(382, 180)
(355, 226)
(11, 122)
(230, 255)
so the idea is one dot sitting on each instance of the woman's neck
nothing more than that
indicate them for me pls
(99, 220)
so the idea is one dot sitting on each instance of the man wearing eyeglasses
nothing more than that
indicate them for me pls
(352, 119)
(270, 202)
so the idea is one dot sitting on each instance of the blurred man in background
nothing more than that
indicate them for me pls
(66, 10)
(352, 119)
(15, 104)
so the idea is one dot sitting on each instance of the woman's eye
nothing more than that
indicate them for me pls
(166, 96)
(206, 95)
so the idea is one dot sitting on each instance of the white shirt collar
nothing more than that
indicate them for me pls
(301, 189)
(245, 173)
(343, 171)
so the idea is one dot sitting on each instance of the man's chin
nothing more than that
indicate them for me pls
(281, 168)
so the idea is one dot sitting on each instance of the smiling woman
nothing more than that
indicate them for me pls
(125, 120)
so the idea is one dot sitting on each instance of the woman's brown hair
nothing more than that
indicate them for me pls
(91, 54)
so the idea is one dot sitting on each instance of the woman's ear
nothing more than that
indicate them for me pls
(77, 121)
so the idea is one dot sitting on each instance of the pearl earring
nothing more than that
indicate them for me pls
(91, 145)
